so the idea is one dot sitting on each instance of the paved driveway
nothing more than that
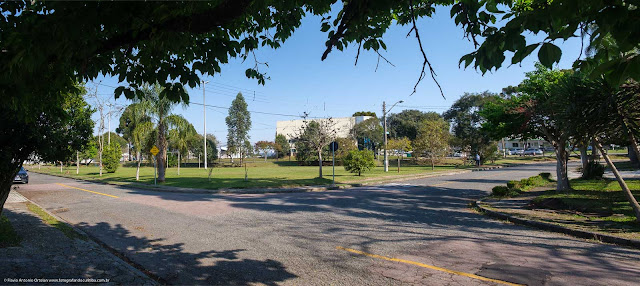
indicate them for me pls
(415, 232)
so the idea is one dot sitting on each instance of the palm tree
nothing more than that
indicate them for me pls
(136, 125)
(160, 108)
(180, 134)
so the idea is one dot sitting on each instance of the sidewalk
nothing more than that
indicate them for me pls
(47, 253)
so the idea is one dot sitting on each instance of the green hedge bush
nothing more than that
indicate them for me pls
(111, 157)
(500, 191)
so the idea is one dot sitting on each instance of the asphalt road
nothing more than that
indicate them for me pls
(345, 237)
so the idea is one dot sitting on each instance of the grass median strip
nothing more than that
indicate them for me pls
(98, 193)
(52, 221)
(426, 266)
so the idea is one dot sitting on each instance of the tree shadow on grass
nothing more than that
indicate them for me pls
(172, 264)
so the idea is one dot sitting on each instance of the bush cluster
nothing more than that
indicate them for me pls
(594, 170)
(516, 187)
(111, 157)
(359, 161)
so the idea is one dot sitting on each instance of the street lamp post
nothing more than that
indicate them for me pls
(384, 125)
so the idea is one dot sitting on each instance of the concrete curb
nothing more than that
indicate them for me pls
(558, 228)
(132, 266)
(301, 189)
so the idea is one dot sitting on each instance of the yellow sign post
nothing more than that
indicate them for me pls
(154, 150)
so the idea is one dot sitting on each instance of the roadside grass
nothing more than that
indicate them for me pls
(8, 236)
(514, 188)
(48, 219)
(259, 174)
(595, 201)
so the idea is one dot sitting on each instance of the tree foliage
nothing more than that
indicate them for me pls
(282, 145)
(364, 113)
(315, 136)
(264, 147)
(406, 123)
(358, 161)
(238, 125)
(368, 134)
(595, 21)
(466, 120)
(111, 157)
(432, 140)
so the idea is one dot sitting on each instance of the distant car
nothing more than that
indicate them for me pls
(457, 154)
(22, 176)
(516, 151)
(532, 151)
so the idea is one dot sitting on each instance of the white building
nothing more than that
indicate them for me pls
(342, 126)
(510, 143)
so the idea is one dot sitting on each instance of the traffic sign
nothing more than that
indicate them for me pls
(333, 146)
(154, 150)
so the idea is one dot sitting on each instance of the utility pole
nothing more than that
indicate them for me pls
(204, 109)
(109, 139)
(384, 125)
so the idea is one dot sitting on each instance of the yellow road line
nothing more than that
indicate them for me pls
(428, 266)
(86, 190)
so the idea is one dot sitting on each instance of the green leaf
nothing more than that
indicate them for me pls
(549, 54)
(325, 27)
(492, 7)
(523, 53)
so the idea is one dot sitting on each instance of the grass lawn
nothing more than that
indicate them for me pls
(596, 203)
(259, 173)
(265, 174)
(8, 236)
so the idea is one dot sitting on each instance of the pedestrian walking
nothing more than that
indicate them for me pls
(478, 160)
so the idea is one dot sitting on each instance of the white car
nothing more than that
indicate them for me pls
(532, 151)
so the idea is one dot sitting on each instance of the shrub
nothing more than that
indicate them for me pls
(546, 176)
(500, 191)
(513, 184)
(111, 157)
(594, 170)
(359, 161)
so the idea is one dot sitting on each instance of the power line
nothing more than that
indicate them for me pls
(258, 112)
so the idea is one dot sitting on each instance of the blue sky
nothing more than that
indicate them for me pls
(300, 82)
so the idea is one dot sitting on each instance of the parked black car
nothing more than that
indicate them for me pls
(22, 176)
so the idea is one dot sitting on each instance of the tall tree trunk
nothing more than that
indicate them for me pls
(623, 185)
(634, 150)
(584, 157)
(77, 162)
(633, 156)
(100, 163)
(398, 164)
(433, 164)
(60, 167)
(8, 171)
(138, 169)
(561, 169)
(320, 163)
(265, 156)
(179, 161)
(161, 157)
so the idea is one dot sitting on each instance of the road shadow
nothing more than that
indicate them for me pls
(170, 263)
